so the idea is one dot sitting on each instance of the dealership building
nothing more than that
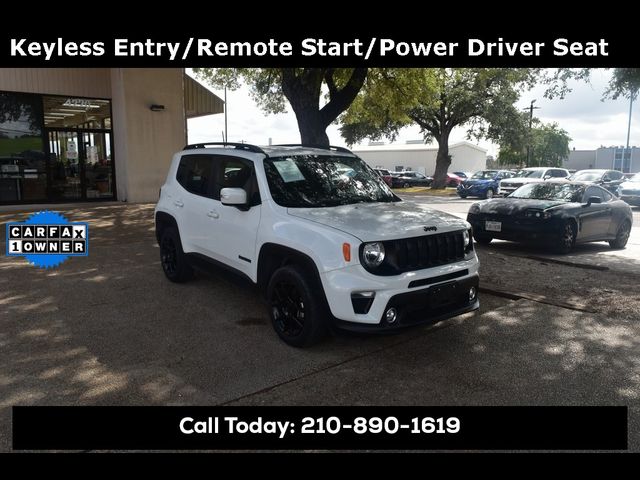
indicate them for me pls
(74, 134)
(415, 155)
(626, 160)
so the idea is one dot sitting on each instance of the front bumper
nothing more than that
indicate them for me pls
(518, 229)
(472, 191)
(403, 292)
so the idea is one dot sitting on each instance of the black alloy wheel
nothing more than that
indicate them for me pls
(622, 236)
(174, 262)
(169, 256)
(567, 238)
(297, 306)
(287, 310)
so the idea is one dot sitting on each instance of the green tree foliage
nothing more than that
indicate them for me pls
(437, 100)
(549, 146)
(303, 88)
(625, 82)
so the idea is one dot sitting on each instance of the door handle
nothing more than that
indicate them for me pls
(178, 203)
(213, 214)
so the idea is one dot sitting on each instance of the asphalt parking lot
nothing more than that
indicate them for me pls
(110, 330)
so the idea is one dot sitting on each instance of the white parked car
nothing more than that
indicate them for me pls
(320, 233)
(530, 175)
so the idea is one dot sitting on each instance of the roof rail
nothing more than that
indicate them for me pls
(238, 146)
(331, 147)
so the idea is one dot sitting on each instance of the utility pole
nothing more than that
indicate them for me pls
(624, 153)
(529, 146)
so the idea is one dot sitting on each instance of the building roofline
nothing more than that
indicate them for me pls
(401, 147)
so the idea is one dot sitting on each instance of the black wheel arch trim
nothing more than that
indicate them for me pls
(162, 221)
(273, 256)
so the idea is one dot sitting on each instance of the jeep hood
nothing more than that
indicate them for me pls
(382, 221)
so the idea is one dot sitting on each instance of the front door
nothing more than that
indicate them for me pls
(595, 218)
(80, 165)
(237, 228)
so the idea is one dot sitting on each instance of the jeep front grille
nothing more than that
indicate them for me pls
(416, 253)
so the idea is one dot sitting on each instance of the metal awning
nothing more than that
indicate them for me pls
(199, 101)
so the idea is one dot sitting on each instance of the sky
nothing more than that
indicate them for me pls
(590, 122)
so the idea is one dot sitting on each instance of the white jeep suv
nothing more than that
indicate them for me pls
(320, 233)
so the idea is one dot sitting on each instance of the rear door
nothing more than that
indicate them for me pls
(194, 201)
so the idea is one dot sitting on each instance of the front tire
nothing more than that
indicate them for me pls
(489, 194)
(622, 237)
(298, 312)
(567, 238)
(482, 238)
(174, 262)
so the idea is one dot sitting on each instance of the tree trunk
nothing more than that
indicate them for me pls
(313, 132)
(443, 160)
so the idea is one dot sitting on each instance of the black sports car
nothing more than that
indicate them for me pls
(560, 213)
(609, 179)
(410, 179)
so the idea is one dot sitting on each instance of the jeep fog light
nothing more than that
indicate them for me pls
(373, 254)
(391, 315)
(472, 294)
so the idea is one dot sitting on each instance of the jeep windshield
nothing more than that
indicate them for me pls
(300, 181)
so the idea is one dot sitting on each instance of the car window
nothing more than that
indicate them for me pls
(195, 174)
(557, 173)
(233, 172)
(614, 175)
(594, 191)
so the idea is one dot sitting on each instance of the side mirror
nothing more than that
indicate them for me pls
(546, 177)
(593, 199)
(236, 197)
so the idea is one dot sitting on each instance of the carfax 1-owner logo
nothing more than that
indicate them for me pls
(46, 239)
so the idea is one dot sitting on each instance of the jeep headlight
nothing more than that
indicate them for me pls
(373, 254)
(466, 238)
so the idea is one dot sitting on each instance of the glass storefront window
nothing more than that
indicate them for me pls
(55, 148)
(23, 172)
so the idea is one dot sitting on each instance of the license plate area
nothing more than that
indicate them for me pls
(493, 226)
(443, 294)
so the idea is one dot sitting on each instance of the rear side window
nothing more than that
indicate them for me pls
(195, 174)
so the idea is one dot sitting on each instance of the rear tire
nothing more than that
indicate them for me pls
(567, 238)
(490, 193)
(462, 196)
(622, 236)
(174, 262)
(298, 312)
(406, 185)
(482, 238)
